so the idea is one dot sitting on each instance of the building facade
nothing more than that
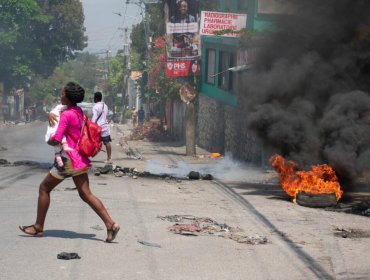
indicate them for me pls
(222, 124)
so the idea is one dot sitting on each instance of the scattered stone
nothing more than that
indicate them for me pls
(193, 175)
(106, 169)
(366, 212)
(3, 161)
(206, 177)
(68, 256)
(119, 174)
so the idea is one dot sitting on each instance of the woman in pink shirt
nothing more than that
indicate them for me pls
(75, 166)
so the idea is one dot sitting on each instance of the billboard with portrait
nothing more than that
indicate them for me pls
(182, 20)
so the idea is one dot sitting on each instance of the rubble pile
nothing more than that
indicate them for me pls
(152, 131)
(191, 225)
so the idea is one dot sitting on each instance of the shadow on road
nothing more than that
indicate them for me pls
(69, 234)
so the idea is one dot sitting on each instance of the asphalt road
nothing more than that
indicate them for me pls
(301, 242)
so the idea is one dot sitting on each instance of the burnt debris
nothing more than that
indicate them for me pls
(119, 171)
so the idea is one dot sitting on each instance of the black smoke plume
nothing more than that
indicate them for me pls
(307, 96)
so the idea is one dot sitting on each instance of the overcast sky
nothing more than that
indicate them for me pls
(104, 28)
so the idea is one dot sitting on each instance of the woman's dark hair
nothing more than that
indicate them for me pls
(74, 92)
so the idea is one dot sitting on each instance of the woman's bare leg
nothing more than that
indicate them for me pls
(46, 186)
(82, 184)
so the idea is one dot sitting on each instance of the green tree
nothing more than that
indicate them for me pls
(116, 81)
(138, 45)
(82, 69)
(62, 36)
(35, 35)
(18, 20)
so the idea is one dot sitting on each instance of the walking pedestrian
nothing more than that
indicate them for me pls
(134, 116)
(76, 166)
(100, 113)
(141, 115)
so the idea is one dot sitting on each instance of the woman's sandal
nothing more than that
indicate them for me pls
(113, 230)
(36, 233)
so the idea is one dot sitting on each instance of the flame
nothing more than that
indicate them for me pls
(320, 179)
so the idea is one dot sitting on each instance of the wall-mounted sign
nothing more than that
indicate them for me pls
(212, 22)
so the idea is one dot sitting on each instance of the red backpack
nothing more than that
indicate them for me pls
(90, 142)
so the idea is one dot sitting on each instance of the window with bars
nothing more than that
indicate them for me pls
(226, 79)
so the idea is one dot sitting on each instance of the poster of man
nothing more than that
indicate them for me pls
(182, 28)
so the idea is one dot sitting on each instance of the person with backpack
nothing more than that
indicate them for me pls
(100, 113)
(76, 166)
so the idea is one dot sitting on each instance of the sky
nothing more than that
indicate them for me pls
(104, 27)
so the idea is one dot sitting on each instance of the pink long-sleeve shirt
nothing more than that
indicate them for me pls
(70, 125)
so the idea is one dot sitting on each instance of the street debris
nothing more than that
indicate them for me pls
(152, 131)
(68, 256)
(36, 164)
(150, 244)
(209, 156)
(4, 161)
(119, 171)
(357, 208)
(194, 226)
(127, 149)
(194, 175)
(351, 233)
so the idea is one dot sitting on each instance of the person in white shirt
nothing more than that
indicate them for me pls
(100, 113)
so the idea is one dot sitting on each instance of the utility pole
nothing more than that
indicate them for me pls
(190, 139)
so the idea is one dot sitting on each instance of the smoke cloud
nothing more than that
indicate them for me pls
(226, 168)
(307, 96)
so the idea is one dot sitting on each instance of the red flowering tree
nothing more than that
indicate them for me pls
(160, 87)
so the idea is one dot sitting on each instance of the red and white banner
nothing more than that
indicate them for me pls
(177, 68)
(182, 68)
(211, 22)
(183, 49)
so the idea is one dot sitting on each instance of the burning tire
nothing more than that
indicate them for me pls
(316, 200)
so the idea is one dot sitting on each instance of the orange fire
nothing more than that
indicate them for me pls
(320, 179)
